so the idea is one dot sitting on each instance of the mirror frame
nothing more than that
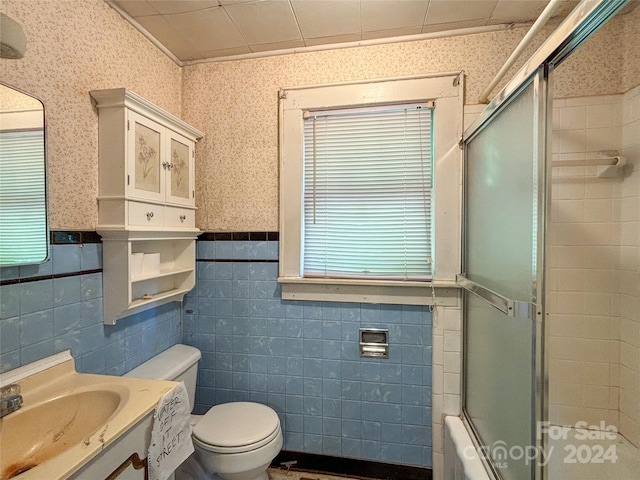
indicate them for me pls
(46, 180)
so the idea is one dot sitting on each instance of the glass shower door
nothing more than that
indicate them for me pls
(504, 165)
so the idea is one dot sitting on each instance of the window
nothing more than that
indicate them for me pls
(370, 189)
(367, 193)
(22, 198)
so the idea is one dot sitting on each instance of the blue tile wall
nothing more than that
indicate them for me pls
(49, 315)
(302, 359)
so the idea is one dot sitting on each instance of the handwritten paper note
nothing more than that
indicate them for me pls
(171, 442)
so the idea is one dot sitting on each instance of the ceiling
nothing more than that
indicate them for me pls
(196, 30)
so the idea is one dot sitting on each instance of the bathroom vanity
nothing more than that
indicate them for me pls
(79, 426)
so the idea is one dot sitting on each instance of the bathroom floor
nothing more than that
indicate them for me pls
(190, 470)
(280, 474)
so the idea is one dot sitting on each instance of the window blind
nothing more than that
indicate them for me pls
(22, 197)
(367, 193)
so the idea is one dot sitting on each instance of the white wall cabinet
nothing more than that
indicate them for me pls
(159, 162)
(146, 203)
(147, 163)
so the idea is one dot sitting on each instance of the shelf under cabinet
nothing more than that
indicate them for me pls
(163, 273)
(169, 294)
(123, 293)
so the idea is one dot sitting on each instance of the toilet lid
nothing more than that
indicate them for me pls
(237, 424)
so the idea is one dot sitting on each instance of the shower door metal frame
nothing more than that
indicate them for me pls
(579, 25)
(518, 309)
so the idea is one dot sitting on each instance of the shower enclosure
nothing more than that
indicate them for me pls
(551, 368)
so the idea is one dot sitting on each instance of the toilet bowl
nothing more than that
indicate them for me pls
(236, 440)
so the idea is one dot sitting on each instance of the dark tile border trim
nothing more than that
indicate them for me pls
(70, 237)
(62, 237)
(241, 260)
(73, 237)
(352, 467)
(239, 236)
(14, 281)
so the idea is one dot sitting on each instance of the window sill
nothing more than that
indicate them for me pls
(370, 291)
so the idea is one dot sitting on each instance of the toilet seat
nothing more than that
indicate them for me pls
(236, 427)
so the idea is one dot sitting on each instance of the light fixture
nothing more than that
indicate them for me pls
(13, 41)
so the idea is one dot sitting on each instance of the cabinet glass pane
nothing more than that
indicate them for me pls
(501, 202)
(179, 169)
(499, 383)
(147, 161)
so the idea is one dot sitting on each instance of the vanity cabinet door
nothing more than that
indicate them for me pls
(145, 157)
(180, 170)
(133, 468)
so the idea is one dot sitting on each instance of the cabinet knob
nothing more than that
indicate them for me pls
(183, 218)
(149, 215)
(170, 165)
(165, 165)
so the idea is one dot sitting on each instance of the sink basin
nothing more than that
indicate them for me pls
(34, 434)
(71, 424)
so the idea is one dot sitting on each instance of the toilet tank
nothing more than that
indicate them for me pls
(178, 363)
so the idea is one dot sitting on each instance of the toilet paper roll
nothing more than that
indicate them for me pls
(151, 264)
(136, 264)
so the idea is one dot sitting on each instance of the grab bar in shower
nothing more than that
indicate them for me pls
(510, 307)
(608, 166)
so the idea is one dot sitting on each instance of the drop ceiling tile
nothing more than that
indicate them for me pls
(566, 7)
(264, 22)
(196, 29)
(394, 32)
(277, 46)
(628, 8)
(164, 32)
(136, 8)
(517, 11)
(227, 52)
(349, 37)
(209, 29)
(391, 14)
(558, 15)
(232, 2)
(168, 7)
(449, 11)
(327, 18)
(443, 27)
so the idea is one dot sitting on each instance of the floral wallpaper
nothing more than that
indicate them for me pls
(73, 47)
(235, 103)
(13, 100)
(631, 58)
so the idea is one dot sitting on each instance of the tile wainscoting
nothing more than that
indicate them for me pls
(302, 358)
(299, 357)
(57, 305)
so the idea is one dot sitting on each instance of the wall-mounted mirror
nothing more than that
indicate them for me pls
(23, 201)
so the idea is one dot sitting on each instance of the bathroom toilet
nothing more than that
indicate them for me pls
(236, 440)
